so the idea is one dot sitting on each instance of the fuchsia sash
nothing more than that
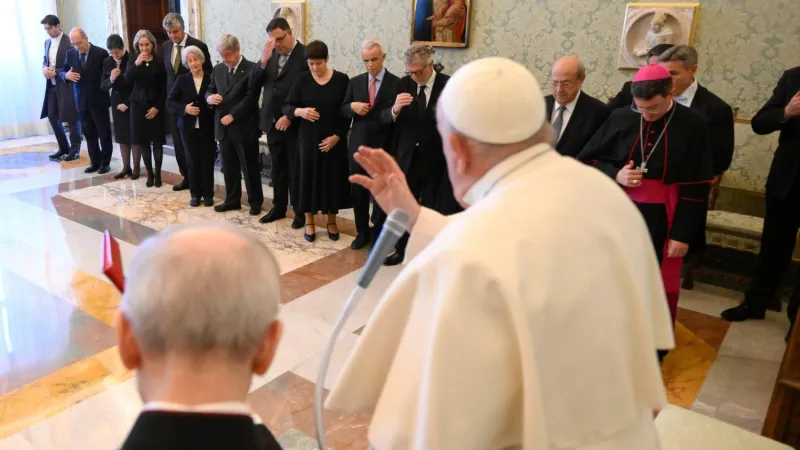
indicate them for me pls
(655, 191)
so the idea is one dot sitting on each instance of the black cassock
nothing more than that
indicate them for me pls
(322, 184)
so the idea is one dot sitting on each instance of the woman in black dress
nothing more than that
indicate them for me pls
(114, 81)
(187, 102)
(148, 97)
(322, 167)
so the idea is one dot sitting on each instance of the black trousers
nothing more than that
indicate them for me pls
(360, 197)
(241, 158)
(53, 113)
(283, 151)
(781, 223)
(201, 153)
(177, 142)
(96, 124)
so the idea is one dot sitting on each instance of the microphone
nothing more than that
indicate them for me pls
(393, 229)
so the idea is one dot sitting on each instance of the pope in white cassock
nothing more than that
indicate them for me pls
(538, 332)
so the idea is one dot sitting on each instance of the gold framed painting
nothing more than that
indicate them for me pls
(441, 23)
(649, 24)
(294, 11)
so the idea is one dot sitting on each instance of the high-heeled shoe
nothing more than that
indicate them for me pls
(332, 236)
(150, 180)
(123, 174)
(310, 237)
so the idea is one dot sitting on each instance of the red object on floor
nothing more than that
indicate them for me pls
(112, 261)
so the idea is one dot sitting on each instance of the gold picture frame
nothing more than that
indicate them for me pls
(649, 24)
(294, 11)
(451, 34)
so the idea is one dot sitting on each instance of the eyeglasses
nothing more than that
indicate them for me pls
(416, 73)
(563, 84)
(280, 39)
(650, 110)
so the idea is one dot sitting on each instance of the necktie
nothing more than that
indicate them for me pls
(422, 101)
(281, 63)
(557, 124)
(83, 59)
(177, 63)
(372, 92)
(230, 76)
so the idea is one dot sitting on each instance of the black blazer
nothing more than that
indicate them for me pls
(120, 89)
(183, 92)
(163, 430)
(66, 100)
(277, 85)
(87, 91)
(148, 81)
(624, 97)
(166, 54)
(239, 99)
(786, 162)
(411, 128)
(720, 117)
(374, 129)
(589, 115)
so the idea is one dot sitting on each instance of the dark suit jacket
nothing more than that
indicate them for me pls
(66, 101)
(768, 119)
(277, 85)
(183, 92)
(120, 89)
(149, 85)
(411, 129)
(166, 53)
(624, 97)
(374, 129)
(161, 430)
(87, 91)
(589, 115)
(239, 99)
(720, 117)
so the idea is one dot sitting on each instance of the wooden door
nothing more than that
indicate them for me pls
(148, 15)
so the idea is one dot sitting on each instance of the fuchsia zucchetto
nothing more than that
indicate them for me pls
(651, 72)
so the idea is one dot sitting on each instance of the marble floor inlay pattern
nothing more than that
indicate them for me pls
(59, 367)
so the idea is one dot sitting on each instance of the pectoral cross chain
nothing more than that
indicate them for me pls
(642, 168)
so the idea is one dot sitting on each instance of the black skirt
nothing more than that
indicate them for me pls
(144, 131)
(122, 126)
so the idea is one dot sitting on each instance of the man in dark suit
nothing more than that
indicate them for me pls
(83, 68)
(235, 101)
(624, 98)
(782, 220)
(574, 115)
(59, 103)
(171, 53)
(369, 96)
(416, 143)
(282, 60)
(207, 315)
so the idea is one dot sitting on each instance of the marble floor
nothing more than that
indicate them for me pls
(59, 369)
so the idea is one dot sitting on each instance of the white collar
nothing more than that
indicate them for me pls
(236, 67)
(379, 77)
(428, 84)
(569, 106)
(482, 187)
(228, 408)
(290, 51)
(183, 42)
(687, 96)
(57, 38)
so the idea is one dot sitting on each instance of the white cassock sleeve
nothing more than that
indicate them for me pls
(428, 225)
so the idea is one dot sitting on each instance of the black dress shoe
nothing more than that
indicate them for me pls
(157, 181)
(72, 156)
(135, 175)
(743, 312)
(310, 237)
(182, 186)
(103, 170)
(394, 259)
(273, 215)
(299, 221)
(333, 236)
(58, 155)
(208, 202)
(122, 174)
(255, 210)
(222, 207)
(91, 169)
(150, 180)
(194, 202)
(360, 241)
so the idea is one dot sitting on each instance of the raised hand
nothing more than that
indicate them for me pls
(629, 177)
(401, 102)
(115, 74)
(793, 108)
(72, 76)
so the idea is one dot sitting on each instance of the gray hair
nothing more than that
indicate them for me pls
(192, 50)
(227, 42)
(371, 43)
(683, 53)
(188, 293)
(172, 20)
(80, 32)
(143, 34)
(419, 53)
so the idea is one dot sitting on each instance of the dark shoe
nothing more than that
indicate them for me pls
(743, 312)
(158, 181)
(661, 355)
(194, 202)
(255, 210)
(91, 169)
(103, 170)
(273, 215)
(360, 241)
(182, 186)
(394, 259)
(775, 305)
(333, 236)
(58, 155)
(150, 180)
(299, 221)
(72, 156)
(135, 175)
(208, 202)
(122, 174)
(222, 207)
(310, 237)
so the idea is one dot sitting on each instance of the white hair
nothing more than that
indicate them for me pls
(192, 50)
(172, 20)
(371, 43)
(419, 53)
(195, 296)
(227, 42)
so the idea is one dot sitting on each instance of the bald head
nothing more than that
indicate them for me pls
(567, 76)
(79, 40)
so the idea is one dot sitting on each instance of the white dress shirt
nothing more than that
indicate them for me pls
(52, 55)
(175, 53)
(428, 89)
(197, 83)
(229, 408)
(570, 107)
(687, 97)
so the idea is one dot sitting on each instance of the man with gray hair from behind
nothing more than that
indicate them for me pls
(196, 336)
